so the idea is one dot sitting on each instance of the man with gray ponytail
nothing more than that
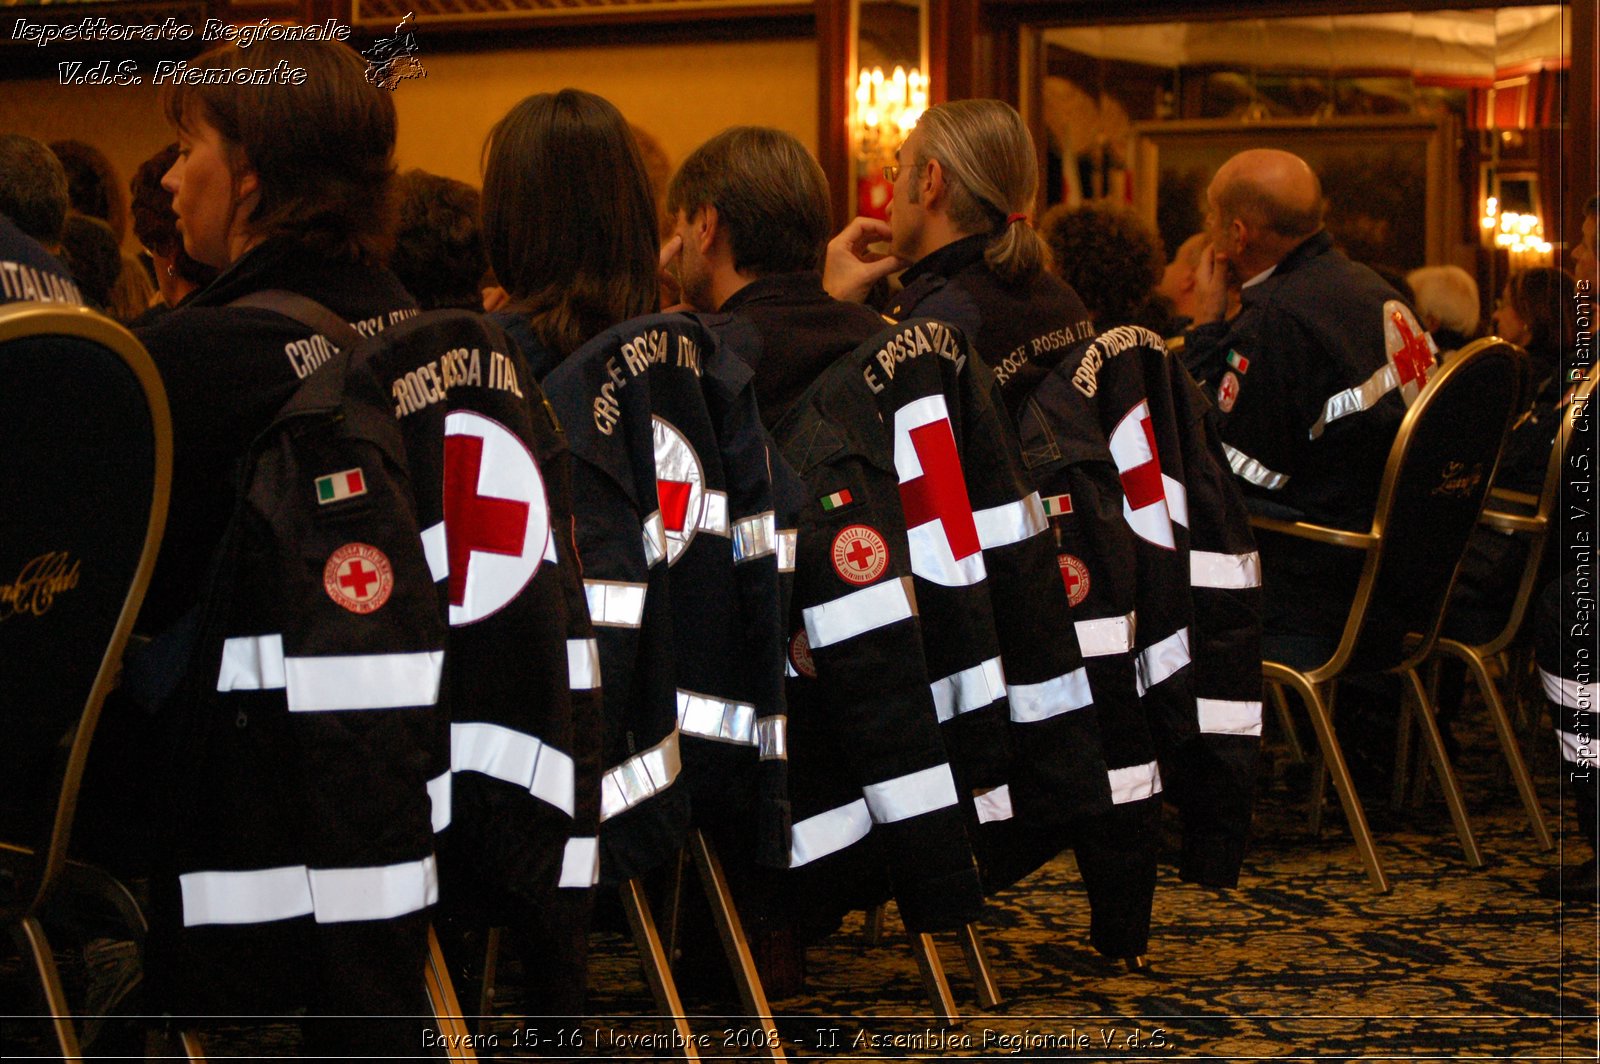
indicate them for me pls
(964, 185)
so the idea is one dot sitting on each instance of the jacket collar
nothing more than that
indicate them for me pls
(948, 260)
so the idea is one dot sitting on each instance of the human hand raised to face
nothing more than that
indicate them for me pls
(1211, 286)
(851, 267)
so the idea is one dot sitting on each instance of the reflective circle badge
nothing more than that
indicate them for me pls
(1227, 392)
(358, 577)
(680, 487)
(1075, 575)
(859, 554)
(800, 655)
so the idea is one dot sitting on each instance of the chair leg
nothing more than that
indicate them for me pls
(674, 908)
(978, 965)
(657, 972)
(1403, 758)
(491, 971)
(933, 978)
(872, 926)
(193, 1049)
(1434, 743)
(1291, 734)
(1508, 740)
(1333, 758)
(31, 937)
(752, 995)
(446, 1007)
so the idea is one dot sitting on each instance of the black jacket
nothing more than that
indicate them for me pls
(29, 273)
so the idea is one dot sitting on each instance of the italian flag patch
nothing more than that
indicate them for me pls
(837, 499)
(1238, 362)
(1056, 505)
(336, 487)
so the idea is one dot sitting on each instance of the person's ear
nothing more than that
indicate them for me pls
(932, 184)
(703, 229)
(246, 184)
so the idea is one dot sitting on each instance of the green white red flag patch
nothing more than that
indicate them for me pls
(336, 487)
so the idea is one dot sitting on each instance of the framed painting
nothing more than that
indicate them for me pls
(1384, 178)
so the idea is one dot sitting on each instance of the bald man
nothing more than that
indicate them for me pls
(1301, 379)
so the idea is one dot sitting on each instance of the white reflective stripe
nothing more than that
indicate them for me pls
(772, 737)
(439, 795)
(583, 664)
(1100, 636)
(818, 836)
(332, 895)
(860, 611)
(719, 719)
(435, 548)
(755, 537)
(1177, 500)
(516, 758)
(1567, 693)
(714, 514)
(615, 603)
(580, 863)
(251, 663)
(933, 558)
(1222, 717)
(1253, 471)
(363, 681)
(1160, 660)
(1209, 569)
(341, 895)
(786, 544)
(1574, 751)
(788, 670)
(1135, 782)
(1012, 522)
(970, 689)
(655, 539)
(642, 776)
(1033, 702)
(911, 795)
(1354, 400)
(993, 805)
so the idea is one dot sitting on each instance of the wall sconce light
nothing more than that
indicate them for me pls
(1519, 235)
(886, 109)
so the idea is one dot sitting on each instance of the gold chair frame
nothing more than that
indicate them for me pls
(1313, 684)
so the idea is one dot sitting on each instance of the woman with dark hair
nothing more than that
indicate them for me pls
(177, 273)
(569, 222)
(1110, 258)
(294, 857)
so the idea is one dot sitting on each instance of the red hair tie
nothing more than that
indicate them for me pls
(1012, 219)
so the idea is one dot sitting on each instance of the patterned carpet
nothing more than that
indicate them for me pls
(1303, 961)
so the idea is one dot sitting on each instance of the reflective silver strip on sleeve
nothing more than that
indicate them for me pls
(1033, 702)
(786, 545)
(911, 795)
(1012, 522)
(580, 863)
(252, 663)
(1106, 635)
(1569, 694)
(516, 758)
(331, 895)
(642, 776)
(1209, 569)
(858, 612)
(1135, 782)
(1161, 660)
(363, 681)
(714, 513)
(1177, 500)
(583, 664)
(615, 603)
(655, 539)
(435, 548)
(1363, 396)
(439, 796)
(818, 836)
(1575, 751)
(994, 804)
(1223, 717)
(1253, 471)
(970, 689)
(755, 537)
(718, 719)
(788, 669)
(772, 737)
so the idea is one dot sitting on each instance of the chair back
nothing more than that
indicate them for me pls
(1434, 485)
(85, 470)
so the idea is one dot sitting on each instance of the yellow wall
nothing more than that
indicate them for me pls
(682, 93)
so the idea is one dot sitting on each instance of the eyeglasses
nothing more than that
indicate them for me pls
(891, 173)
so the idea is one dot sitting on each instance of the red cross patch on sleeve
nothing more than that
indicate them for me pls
(358, 577)
(859, 554)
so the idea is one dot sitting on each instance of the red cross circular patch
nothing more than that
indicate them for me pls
(1075, 575)
(800, 655)
(859, 554)
(358, 577)
(1227, 392)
